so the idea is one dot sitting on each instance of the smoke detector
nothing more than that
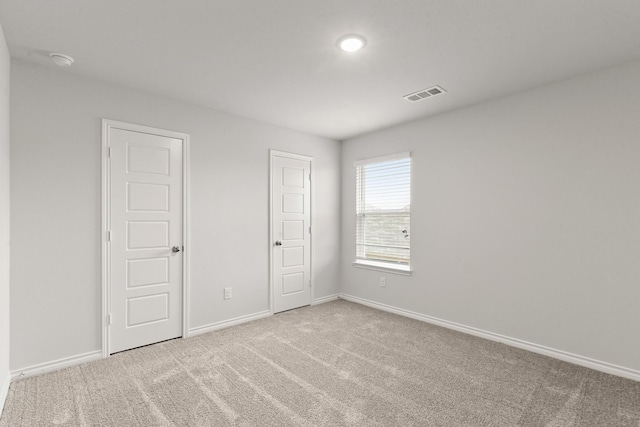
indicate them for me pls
(424, 94)
(61, 60)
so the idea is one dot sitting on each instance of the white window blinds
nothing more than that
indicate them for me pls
(383, 209)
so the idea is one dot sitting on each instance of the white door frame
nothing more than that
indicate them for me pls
(107, 125)
(272, 154)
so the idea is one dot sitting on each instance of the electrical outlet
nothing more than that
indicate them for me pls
(383, 282)
(227, 293)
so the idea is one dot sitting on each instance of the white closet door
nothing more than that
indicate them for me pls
(291, 222)
(146, 238)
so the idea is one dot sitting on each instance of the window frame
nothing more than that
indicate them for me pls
(372, 264)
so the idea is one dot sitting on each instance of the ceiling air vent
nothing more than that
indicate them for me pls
(424, 93)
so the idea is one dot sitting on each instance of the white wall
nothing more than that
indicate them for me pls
(4, 218)
(525, 216)
(56, 137)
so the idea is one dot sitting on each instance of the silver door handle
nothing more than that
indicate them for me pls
(175, 249)
(278, 243)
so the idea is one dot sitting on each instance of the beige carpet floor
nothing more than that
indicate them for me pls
(335, 364)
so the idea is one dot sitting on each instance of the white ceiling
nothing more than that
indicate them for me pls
(276, 60)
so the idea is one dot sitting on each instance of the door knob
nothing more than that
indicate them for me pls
(175, 249)
(278, 243)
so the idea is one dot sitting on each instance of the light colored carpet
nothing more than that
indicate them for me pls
(335, 364)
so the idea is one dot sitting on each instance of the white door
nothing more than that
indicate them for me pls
(146, 238)
(291, 231)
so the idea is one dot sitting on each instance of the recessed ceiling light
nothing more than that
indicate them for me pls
(61, 60)
(351, 42)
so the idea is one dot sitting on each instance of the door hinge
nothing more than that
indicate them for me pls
(309, 282)
(109, 152)
(108, 236)
(109, 319)
(309, 177)
(309, 230)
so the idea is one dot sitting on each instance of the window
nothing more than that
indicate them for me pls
(383, 212)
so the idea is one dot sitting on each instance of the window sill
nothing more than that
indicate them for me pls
(403, 270)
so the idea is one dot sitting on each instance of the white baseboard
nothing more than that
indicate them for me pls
(96, 355)
(55, 365)
(322, 300)
(4, 391)
(576, 359)
(226, 323)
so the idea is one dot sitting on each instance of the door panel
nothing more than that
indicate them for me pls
(145, 272)
(147, 309)
(292, 203)
(146, 223)
(148, 159)
(292, 230)
(147, 234)
(291, 221)
(147, 197)
(293, 257)
(292, 283)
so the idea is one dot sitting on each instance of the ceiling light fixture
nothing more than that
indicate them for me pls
(351, 42)
(61, 60)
